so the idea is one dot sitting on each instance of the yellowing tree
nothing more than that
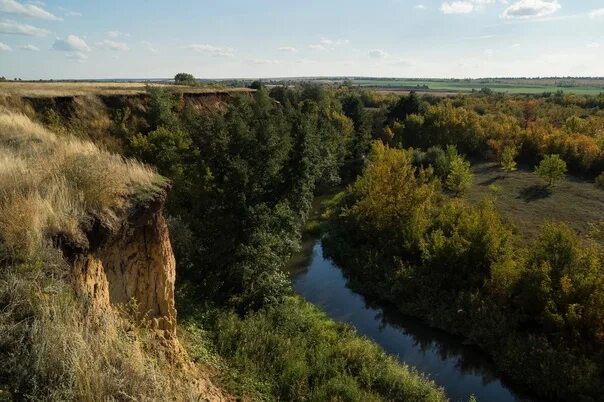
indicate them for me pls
(460, 176)
(393, 197)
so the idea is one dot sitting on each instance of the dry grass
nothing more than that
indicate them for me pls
(54, 89)
(523, 197)
(50, 348)
(49, 351)
(51, 185)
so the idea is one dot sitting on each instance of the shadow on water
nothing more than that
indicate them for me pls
(462, 370)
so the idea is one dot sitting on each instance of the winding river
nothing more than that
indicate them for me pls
(460, 369)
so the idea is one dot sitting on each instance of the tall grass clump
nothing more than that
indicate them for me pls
(51, 185)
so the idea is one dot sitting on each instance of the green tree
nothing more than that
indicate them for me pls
(184, 79)
(508, 159)
(460, 176)
(551, 168)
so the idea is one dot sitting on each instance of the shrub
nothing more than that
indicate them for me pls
(460, 176)
(551, 168)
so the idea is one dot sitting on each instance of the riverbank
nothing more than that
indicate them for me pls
(535, 309)
(462, 370)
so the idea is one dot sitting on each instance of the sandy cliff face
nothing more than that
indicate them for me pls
(131, 265)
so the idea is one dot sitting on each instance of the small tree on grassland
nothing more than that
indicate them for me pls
(551, 168)
(184, 79)
(508, 159)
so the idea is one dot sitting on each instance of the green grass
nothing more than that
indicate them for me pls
(498, 85)
(521, 195)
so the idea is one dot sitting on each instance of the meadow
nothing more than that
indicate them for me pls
(523, 197)
(508, 85)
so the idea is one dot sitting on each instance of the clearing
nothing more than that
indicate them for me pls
(522, 196)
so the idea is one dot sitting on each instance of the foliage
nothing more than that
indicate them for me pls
(460, 176)
(184, 79)
(508, 159)
(328, 361)
(551, 168)
(537, 309)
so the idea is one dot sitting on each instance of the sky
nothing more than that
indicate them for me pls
(66, 39)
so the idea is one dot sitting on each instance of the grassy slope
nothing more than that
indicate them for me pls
(52, 89)
(522, 197)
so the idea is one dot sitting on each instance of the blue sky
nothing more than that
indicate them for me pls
(279, 38)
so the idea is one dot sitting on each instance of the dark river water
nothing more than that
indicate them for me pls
(460, 369)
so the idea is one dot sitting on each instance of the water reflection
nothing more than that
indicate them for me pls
(460, 369)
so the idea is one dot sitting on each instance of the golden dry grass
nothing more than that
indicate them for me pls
(51, 185)
(50, 348)
(55, 89)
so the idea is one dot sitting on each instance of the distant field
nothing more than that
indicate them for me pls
(522, 197)
(516, 86)
(52, 89)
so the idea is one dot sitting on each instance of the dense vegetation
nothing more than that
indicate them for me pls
(244, 176)
(244, 172)
(405, 235)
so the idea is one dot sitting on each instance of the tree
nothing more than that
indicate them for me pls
(551, 168)
(508, 159)
(460, 176)
(184, 79)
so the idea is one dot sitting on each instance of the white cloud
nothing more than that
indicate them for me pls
(597, 13)
(72, 14)
(113, 45)
(213, 50)
(318, 47)
(377, 54)
(5, 47)
(288, 49)
(333, 42)
(149, 46)
(328, 44)
(14, 28)
(117, 34)
(464, 6)
(31, 48)
(457, 7)
(593, 45)
(531, 8)
(28, 10)
(488, 52)
(516, 45)
(420, 7)
(264, 61)
(71, 43)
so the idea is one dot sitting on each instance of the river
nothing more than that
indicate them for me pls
(460, 369)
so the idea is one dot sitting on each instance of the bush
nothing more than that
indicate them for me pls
(551, 168)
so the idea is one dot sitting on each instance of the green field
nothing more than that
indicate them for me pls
(521, 196)
(517, 86)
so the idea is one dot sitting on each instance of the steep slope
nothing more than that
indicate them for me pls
(87, 283)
